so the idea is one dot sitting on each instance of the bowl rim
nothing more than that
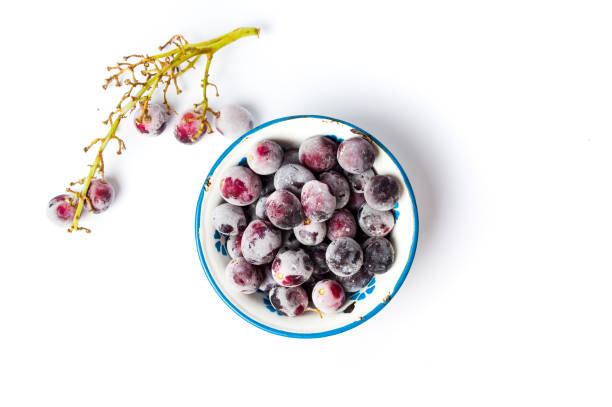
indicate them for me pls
(330, 332)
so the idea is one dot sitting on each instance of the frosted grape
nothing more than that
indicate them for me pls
(233, 121)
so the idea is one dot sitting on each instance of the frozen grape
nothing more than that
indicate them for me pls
(378, 255)
(240, 186)
(260, 242)
(260, 208)
(229, 219)
(344, 256)
(289, 301)
(318, 201)
(61, 209)
(375, 223)
(292, 177)
(310, 233)
(265, 157)
(357, 281)
(233, 246)
(289, 240)
(341, 224)
(268, 282)
(317, 255)
(355, 201)
(188, 127)
(382, 192)
(292, 267)
(356, 155)
(283, 209)
(267, 184)
(318, 153)
(338, 185)
(101, 194)
(154, 122)
(292, 156)
(328, 296)
(359, 181)
(243, 276)
(233, 121)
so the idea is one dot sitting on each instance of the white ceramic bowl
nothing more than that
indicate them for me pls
(256, 308)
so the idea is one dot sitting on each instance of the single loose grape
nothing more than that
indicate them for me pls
(328, 296)
(229, 219)
(233, 246)
(292, 177)
(101, 194)
(260, 242)
(375, 223)
(359, 181)
(188, 126)
(292, 267)
(233, 121)
(317, 255)
(378, 255)
(284, 210)
(268, 282)
(357, 281)
(154, 122)
(265, 157)
(382, 192)
(240, 185)
(338, 185)
(318, 153)
(292, 156)
(310, 233)
(243, 276)
(344, 256)
(341, 224)
(61, 209)
(318, 201)
(355, 202)
(356, 155)
(289, 301)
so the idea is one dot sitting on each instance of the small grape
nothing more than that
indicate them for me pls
(267, 184)
(292, 156)
(318, 153)
(260, 242)
(233, 246)
(344, 256)
(154, 122)
(229, 219)
(243, 276)
(268, 282)
(292, 177)
(382, 192)
(357, 281)
(375, 223)
(61, 209)
(283, 209)
(289, 301)
(317, 255)
(378, 254)
(328, 296)
(233, 121)
(289, 240)
(356, 155)
(355, 202)
(292, 267)
(240, 186)
(318, 201)
(338, 185)
(341, 224)
(359, 181)
(265, 157)
(101, 194)
(188, 126)
(260, 208)
(310, 233)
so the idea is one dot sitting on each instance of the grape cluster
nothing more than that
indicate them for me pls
(295, 219)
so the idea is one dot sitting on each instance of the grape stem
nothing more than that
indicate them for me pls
(158, 69)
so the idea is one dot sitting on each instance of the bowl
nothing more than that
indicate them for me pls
(256, 308)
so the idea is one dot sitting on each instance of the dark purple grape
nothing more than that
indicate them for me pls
(341, 224)
(317, 255)
(310, 233)
(61, 209)
(375, 223)
(260, 242)
(267, 185)
(243, 276)
(378, 255)
(268, 282)
(292, 267)
(338, 185)
(229, 219)
(382, 192)
(259, 211)
(318, 201)
(328, 296)
(359, 181)
(265, 157)
(357, 281)
(356, 155)
(240, 185)
(284, 210)
(344, 256)
(292, 177)
(292, 156)
(289, 301)
(101, 194)
(233, 246)
(318, 153)
(355, 202)
(289, 240)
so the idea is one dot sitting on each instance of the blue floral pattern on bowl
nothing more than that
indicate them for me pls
(334, 138)
(364, 292)
(268, 305)
(220, 242)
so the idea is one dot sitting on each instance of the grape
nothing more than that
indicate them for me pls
(289, 240)
(260, 208)
(355, 201)
(260, 241)
(268, 282)
(359, 181)
(229, 219)
(318, 153)
(265, 157)
(375, 223)
(328, 296)
(292, 156)
(292, 177)
(341, 224)
(292, 267)
(356, 155)
(267, 184)
(233, 246)
(243, 276)
(188, 127)
(283, 209)
(154, 122)
(233, 121)
(378, 255)
(357, 281)
(382, 192)
(289, 301)
(101, 194)
(317, 255)
(61, 209)
(310, 233)
(344, 256)
(338, 185)
(240, 186)
(318, 201)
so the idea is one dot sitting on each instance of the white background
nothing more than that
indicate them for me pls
(500, 112)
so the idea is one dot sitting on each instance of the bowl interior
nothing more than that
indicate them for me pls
(289, 133)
